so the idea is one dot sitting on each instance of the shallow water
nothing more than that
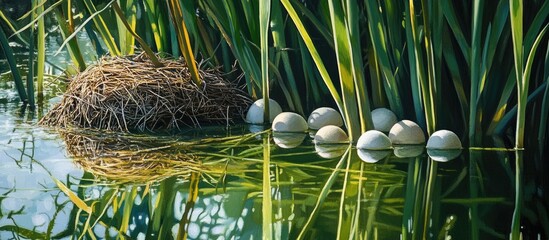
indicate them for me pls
(245, 183)
(219, 183)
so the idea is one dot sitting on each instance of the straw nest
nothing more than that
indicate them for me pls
(127, 159)
(129, 93)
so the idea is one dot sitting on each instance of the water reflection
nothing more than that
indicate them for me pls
(329, 151)
(107, 185)
(222, 195)
(408, 151)
(372, 156)
(288, 140)
(129, 158)
(30, 202)
(441, 155)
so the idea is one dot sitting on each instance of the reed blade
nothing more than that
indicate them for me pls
(125, 36)
(189, 206)
(320, 27)
(516, 13)
(267, 205)
(264, 18)
(414, 74)
(279, 41)
(20, 87)
(456, 74)
(69, 38)
(432, 80)
(361, 91)
(23, 232)
(502, 107)
(313, 81)
(378, 40)
(517, 212)
(537, 24)
(203, 37)
(319, 63)
(457, 29)
(226, 19)
(41, 15)
(157, 26)
(542, 132)
(128, 200)
(523, 96)
(143, 44)
(8, 21)
(31, 65)
(324, 193)
(176, 13)
(345, 71)
(424, 85)
(77, 201)
(475, 63)
(41, 58)
(101, 26)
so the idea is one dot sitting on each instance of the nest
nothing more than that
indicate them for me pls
(129, 159)
(129, 93)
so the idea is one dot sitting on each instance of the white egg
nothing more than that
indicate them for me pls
(289, 122)
(373, 140)
(331, 134)
(255, 112)
(444, 139)
(406, 132)
(383, 119)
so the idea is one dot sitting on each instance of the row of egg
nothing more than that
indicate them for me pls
(328, 122)
(401, 151)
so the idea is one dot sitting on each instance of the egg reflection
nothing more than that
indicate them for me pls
(408, 151)
(372, 156)
(443, 155)
(255, 128)
(330, 150)
(288, 140)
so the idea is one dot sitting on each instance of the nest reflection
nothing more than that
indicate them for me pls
(129, 158)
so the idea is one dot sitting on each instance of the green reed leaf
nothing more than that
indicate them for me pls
(176, 14)
(143, 44)
(101, 26)
(20, 87)
(78, 202)
(378, 39)
(314, 53)
(345, 69)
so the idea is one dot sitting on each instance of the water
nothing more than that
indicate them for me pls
(243, 183)
(211, 181)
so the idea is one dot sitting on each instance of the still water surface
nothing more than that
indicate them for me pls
(232, 183)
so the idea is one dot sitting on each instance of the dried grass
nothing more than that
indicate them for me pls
(129, 93)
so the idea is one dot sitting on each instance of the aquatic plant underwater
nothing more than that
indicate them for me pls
(479, 69)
